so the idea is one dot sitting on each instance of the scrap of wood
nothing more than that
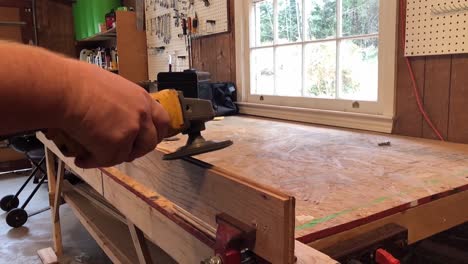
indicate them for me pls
(47, 256)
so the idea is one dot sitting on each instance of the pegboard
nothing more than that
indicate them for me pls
(436, 27)
(160, 48)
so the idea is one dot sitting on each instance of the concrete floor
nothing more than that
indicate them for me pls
(20, 245)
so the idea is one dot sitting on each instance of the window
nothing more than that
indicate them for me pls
(334, 55)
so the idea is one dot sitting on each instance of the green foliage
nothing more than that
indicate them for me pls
(322, 20)
(360, 17)
(321, 69)
(289, 20)
(266, 22)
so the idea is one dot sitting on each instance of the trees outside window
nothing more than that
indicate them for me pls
(315, 48)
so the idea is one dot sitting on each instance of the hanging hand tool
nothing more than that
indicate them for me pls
(187, 116)
(176, 17)
(189, 25)
(195, 24)
(184, 31)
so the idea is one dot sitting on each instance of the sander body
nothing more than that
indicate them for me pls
(187, 116)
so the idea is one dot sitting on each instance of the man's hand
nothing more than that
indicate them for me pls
(114, 119)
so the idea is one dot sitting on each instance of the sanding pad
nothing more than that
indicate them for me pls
(197, 148)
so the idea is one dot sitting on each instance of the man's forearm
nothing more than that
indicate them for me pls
(32, 82)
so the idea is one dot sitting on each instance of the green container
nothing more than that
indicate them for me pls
(88, 14)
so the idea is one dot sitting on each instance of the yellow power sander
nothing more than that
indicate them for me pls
(187, 116)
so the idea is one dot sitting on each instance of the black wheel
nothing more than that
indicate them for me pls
(17, 217)
(9, 202)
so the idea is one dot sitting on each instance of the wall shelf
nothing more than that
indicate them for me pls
(102, 36)
(131, 44)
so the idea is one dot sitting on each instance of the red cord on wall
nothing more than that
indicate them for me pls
(411, 72)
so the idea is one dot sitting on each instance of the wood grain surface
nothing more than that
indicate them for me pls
(205, 192)
(337, 176)
(55, 27)
(441, 81)
(216, 54)
(133, 57)
(197, 193)
(437, 94)
(458, 119)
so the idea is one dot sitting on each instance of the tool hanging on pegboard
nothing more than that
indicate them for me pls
(174, 24)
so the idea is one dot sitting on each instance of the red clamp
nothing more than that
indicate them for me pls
(232, 236)
(383, 257)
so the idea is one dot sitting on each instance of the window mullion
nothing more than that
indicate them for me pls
(303, 47)
(275, 41)
(339, 33)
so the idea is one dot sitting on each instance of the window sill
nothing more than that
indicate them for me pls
(377, 123)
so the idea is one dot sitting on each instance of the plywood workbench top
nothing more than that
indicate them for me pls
(336, 176)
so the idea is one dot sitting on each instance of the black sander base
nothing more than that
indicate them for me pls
(196, 145)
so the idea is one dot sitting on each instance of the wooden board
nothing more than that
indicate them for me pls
(458, 119)
(131, 43)
(47, 256)
(408, 119)
(341, 179)
(10, 33)
(305, 255)
(143, 208)
(110, 233)
(55, 27)
(184, 248)
(436, 94)
(205, 192)
(216, 53)
(201, 192)
(421, 221)
(52, 184)
(111, 236)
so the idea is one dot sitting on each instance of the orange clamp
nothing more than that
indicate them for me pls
(383, 257)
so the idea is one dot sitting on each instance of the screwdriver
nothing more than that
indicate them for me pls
(184, 31)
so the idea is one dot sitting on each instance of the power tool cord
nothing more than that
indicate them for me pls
(411, 72)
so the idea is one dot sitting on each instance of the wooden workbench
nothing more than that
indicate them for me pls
(316, 185)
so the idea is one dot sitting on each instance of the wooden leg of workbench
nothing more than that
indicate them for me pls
(139, 241)
(54, 183)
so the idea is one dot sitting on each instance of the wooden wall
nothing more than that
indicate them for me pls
(443, 86)
(216, 54)
(55, 26)
(16, 11)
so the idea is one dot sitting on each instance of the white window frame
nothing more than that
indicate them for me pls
(374, 116)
